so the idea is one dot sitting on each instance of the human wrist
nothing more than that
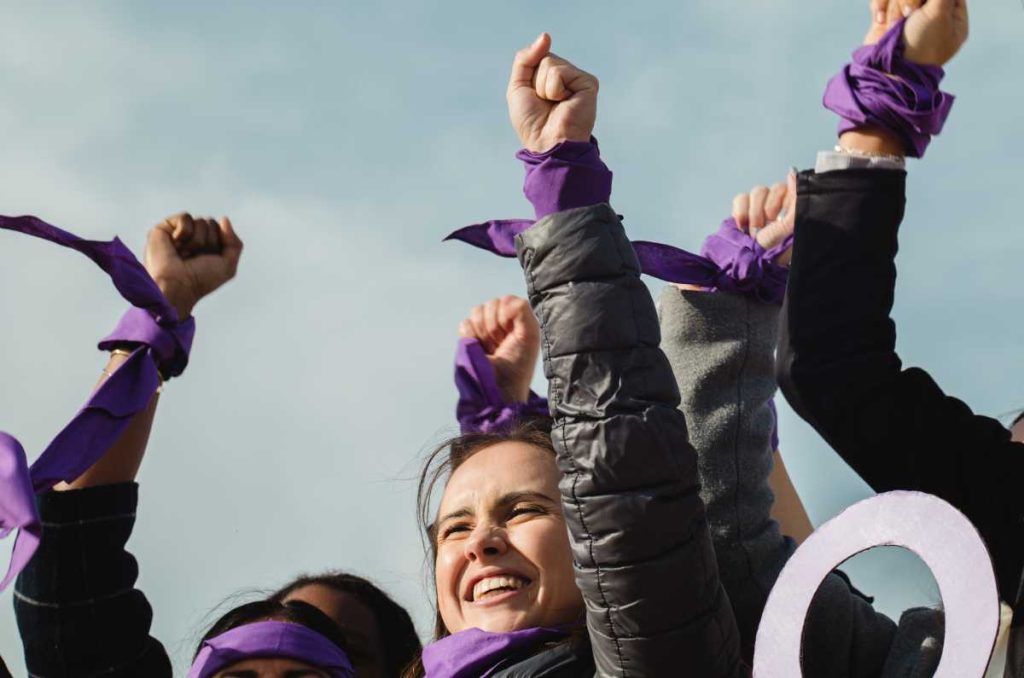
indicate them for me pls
(179, 296)
(871, 141)
(568, 175)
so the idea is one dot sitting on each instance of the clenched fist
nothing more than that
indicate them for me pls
(549, 99)
(190, 257)
(510, 336)
(768, 214)
(935, 29)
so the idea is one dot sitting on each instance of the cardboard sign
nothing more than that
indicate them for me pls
(943, 538)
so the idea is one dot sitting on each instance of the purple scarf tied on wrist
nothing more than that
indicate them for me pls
(160, 340)
(880, 88)
(731, 260)
(474, 653)
(481, 407)
(271, 639)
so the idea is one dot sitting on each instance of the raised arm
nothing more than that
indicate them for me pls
(722, 350)
(838, 364)
(77, 607)
(643, 554)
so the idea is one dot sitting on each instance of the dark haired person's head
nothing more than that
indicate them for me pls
(500, 547)
(1017, 428)
(271, 664)
(380, 635)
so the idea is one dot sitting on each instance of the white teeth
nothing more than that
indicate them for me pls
(485, 586)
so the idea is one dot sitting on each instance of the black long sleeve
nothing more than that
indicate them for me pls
(78, 611)
(839, 369)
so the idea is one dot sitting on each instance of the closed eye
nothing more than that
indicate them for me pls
(527, 509)
(454, 528)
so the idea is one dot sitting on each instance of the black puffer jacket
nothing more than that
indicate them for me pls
(642, 551)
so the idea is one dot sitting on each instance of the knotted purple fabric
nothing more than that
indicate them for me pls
(268, 639)
(732, 261)
(160, 341)
(482, 408)
(880, 88)
(474, 653)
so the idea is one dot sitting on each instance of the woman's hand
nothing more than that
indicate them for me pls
(510, 335)
(191, 257)
(768, 214)
(549, 99)
(935, 30)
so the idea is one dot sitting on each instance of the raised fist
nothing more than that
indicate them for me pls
(510, 336)
(549, 99)
(768, 214)
(191, 257)
(935, 29)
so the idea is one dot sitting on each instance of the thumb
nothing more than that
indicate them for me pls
(527, 59)
(159, 249)
(790, 204)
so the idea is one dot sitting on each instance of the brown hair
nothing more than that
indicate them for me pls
(439, 466)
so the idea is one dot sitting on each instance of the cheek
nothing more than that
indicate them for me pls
(446, 573)
(546, 544)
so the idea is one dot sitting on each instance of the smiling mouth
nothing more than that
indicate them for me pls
(492, 587)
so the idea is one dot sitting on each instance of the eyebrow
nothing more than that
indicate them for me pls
(505, 500)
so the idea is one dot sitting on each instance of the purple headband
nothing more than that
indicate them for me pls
(910, 105)
(732, 261)
(271, 639)
(481, 406)
(160, 341)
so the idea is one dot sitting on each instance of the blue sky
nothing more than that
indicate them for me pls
(345, 139)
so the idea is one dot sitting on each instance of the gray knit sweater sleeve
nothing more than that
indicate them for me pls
(722, 351)
(721, 348)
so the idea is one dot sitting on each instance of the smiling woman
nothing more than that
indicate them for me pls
(498, 540)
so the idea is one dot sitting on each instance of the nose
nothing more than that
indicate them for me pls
(487, 541)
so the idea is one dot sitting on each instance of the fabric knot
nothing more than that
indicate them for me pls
(170, 341)
(481, 407)
(880, 88)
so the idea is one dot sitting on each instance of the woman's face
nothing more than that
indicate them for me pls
(503, 559)
(271, 667)
(1018, 431)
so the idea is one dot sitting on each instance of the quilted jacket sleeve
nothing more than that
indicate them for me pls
(642, 550)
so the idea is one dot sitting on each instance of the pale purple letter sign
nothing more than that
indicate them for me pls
(938, 533)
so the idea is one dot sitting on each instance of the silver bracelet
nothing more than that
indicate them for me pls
(873, 156)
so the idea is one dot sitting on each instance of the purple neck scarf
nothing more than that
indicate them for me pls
(910, 105)
(152, 327)
(474, 653)
(732, 261)
(481, 407)
(270, 639)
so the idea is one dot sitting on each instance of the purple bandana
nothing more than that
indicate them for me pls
(910, 105)
(476, 654)
(481, 406)
(152, 327)
(732, 261)
(270, 639)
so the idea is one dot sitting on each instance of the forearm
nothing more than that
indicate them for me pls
(788, 510)
(721, 348)
(839, 368)
(629, 477)
(122, 461)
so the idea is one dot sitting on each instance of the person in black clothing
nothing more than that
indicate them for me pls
(76, 604)
(838, 365)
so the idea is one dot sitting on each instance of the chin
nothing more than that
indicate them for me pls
(504, 623)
